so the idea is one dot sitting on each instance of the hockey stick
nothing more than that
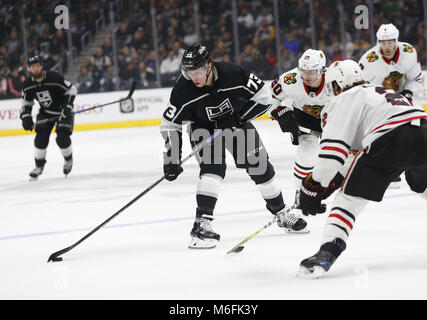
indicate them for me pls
(309, 131)
(56, 255)
(129, 96)
(239, 247)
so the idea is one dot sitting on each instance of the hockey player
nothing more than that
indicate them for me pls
(392, 138)
(220, 96)
(392, 64)
(55, 97)
(302, 95)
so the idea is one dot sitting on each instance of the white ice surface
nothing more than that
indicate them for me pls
(142, 253)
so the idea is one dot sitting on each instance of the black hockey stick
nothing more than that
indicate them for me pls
(239, 247)
(56, 255)
(129, 96)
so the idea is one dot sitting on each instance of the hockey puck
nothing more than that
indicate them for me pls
(57, 259)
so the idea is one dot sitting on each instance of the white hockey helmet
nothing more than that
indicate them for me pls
(313, 60)
(345, 73)
(387, 32)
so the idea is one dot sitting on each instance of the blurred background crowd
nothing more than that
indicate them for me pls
(266, 37)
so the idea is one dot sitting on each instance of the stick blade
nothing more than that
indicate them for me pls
(236, 249)
(56, 256)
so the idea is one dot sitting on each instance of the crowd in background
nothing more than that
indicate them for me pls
(176, 27)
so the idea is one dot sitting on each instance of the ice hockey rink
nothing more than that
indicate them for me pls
(143, 254)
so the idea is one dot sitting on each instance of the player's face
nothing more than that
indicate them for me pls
(388, 47)
(310, 77)
(198, 76)
(36, 70)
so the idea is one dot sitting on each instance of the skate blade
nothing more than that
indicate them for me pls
(395, 185)
(316, 273)
(197, 243)
(290, 231)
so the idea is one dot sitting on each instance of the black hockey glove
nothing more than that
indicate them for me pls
(172, 171)
(67, 110)
(312, 193)
(229, 121)
(287, 122)
(27, 121)
(407, 94)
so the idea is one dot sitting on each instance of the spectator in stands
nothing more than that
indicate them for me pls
(15, 82)
(84, 80)
(129, 74)
(108, 80)
(101, 60)
(40, 26)
(3, 87)
(265, 31)
(107, 47)
(289, 61)
(170, 69)
(264, 15)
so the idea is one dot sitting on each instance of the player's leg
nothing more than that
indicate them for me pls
(211, 160)
(306, 154)
(41, 141)
(64, 130)
(249, 153)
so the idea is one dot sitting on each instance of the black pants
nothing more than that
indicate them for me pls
(403, 149)
(245, 146)
(64, 130)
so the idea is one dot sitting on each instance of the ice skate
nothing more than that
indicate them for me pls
(38, 170)
(291, 223)
(68, 165)
(317, 265)
(396, 183)
(34, 174)
(202, 235)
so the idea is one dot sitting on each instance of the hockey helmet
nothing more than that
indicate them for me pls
(33, 60)
(312, 60)
(344, 73)
(387, 32)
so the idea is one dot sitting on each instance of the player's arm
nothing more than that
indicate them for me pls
(171, 131)
(414, 81)
(27, 103)
(69, 91)
(283, 111)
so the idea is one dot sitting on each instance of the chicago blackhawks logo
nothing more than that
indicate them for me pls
(313, 111)
(290, 78)
(372, 57)
(408, 48)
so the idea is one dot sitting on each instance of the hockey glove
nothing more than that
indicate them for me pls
(229, 121)
(66, 112)
(407, 94)
(312, 193)
(27, 121)
(172, 171)
(287, 122)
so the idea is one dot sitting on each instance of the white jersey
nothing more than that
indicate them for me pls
(356, 118)
(291, 91)
(405, 65)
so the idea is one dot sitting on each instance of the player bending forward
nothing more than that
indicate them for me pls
(392, 138)
(55, 97)
(302, 95)
(220, 96)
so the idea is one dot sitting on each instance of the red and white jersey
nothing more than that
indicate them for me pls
(291, 91)
(376, 68)
(356, 118)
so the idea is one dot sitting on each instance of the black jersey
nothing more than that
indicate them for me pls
(53, 93)
(235, 91)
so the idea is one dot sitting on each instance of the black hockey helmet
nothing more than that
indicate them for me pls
(33, 60)
(195, 56)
